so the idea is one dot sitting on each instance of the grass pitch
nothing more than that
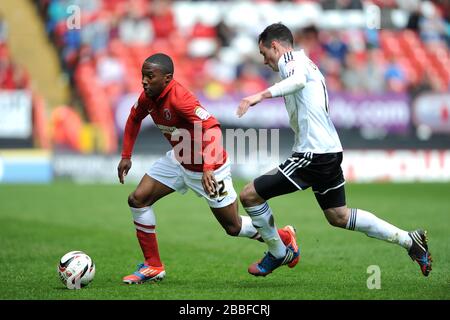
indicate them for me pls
(40, 223)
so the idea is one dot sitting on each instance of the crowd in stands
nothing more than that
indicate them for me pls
(103, 43)
(12, 75)
(117, 35)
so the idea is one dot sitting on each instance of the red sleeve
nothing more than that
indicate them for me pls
(212, 152)
(212, 149)
(191, 110)
(137, 114)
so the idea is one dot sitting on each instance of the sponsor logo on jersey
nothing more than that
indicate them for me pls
(166, 129)
(167, 114)
(202, 113)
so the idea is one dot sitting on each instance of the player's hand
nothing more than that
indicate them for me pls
(123, 168)
(247, 102)
(209, 183)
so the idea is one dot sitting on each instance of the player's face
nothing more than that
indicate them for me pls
(270, 56)
(153, 80)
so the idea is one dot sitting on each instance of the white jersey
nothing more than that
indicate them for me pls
(308, 107)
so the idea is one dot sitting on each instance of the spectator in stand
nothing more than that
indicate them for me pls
(163, 18)
(308, 40)
(424, 85)
(394, 76)
(432, 26)
(135, 28)
(56, 12)
(413, 19)
(332, 70)
(12, 76)
(109, 69)
(203, 41)
(224, 34)
(69, 52)
(111, 74)
(353, 76)
(95, 32)
(373, 71)
(6, 72)
(372, 38)
(248, 79)
(334, 46)
(355, 40)
(220, 74)
(114, 26)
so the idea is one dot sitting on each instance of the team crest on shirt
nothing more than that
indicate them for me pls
(167, 114)
(202, 113)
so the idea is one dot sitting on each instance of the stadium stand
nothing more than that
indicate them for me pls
(14, 76)
(214, 50)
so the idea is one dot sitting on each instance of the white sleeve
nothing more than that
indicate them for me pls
(288, 86)
(295, 78)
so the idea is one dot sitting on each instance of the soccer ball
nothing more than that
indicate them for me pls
(76, 269)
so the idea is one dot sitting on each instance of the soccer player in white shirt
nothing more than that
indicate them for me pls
(315, 163)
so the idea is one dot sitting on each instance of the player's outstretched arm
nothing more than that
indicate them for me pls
(249, 101)
(132, 128)
(123, 168)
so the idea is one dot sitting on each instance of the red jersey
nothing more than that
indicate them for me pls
(179, 116)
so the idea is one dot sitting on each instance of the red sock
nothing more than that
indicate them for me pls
(284, 235)
(149, 246)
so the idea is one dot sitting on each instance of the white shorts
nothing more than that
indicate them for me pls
(171, 173)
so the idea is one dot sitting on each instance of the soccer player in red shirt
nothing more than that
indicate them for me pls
(197, 161)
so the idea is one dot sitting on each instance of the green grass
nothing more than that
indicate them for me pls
(39, 223)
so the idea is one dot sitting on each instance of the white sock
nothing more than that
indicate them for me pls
(262, 220)
(374, 227)
(247, 228)
(144, 219)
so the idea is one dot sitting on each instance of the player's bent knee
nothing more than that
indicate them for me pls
(132, 201)
(232, 230)
(249, 197)
(135, 202)
(336, 218)
(333, 222)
